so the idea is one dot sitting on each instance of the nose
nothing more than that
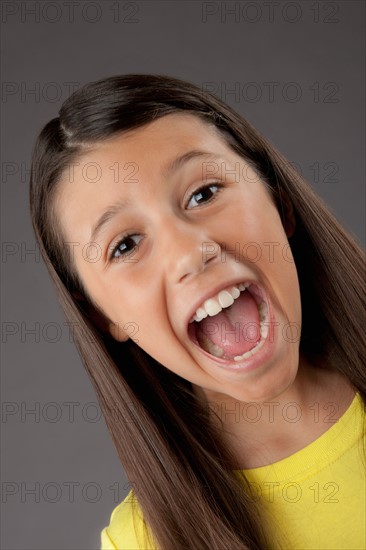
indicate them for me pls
(185, 248)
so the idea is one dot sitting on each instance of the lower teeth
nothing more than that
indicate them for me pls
(209, 346)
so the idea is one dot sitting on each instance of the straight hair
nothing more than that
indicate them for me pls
(172, 455)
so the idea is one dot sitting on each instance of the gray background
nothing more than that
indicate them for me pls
(309, 54)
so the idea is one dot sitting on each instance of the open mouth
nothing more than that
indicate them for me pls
(234, 325)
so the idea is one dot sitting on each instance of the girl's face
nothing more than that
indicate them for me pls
(169, 245)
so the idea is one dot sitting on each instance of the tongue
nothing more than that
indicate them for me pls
(235, 329)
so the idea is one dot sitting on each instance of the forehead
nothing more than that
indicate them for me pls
(164, 136)
(157, 140)
(115, 166)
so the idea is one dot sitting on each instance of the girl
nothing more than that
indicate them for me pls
(219, 309)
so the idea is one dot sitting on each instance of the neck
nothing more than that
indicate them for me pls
(258, 434)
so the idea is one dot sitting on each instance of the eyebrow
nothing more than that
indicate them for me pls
(107, 215)
(179, 161)
(120, 205)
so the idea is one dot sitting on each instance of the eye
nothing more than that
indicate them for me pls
(125, 246)
(205, 194)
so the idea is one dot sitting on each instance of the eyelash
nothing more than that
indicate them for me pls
(219, 186)
(207, 186)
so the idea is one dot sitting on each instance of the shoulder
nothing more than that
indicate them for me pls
(126, 527)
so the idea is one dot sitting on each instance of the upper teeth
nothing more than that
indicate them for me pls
(213, 306)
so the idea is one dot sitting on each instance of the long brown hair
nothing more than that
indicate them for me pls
(171, 453)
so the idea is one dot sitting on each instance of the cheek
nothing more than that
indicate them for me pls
(255, 227)
(259, 235)
(283, 279)
(138, 312)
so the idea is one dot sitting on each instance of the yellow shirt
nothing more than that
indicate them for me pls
(314, 499)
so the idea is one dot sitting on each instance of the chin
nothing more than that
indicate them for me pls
(265, 386)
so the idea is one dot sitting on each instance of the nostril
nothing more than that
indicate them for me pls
(184, 277)
(204, 260)
(210, 251)
(211, 259)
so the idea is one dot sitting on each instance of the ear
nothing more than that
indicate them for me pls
(99, 319)
(289, 218)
